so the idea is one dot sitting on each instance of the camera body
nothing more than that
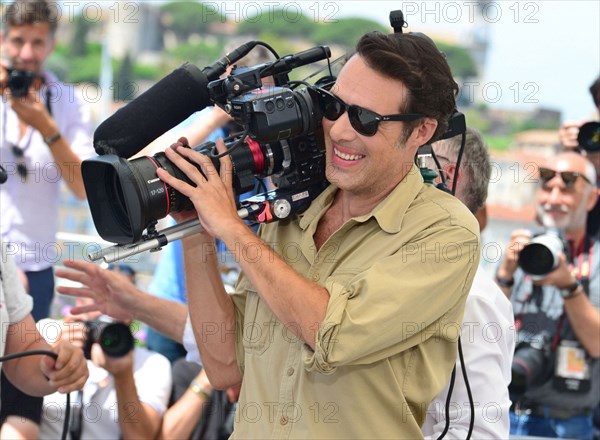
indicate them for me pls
(114, 338)
(542, 255)
(282, 138)
(532, 363)
(19, 81)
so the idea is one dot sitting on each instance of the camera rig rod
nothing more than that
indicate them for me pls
(264, 208)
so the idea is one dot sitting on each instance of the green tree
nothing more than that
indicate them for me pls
(188, 18)
(124, 87)
(345, 32)
(460, 60)
(281, 22)
(79, 42)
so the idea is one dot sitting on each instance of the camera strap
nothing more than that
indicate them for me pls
(77, 420)
(572, 365)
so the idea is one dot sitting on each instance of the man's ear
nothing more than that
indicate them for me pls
(423, 132)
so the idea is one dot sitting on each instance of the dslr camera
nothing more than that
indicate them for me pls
(542, 255)
(19, 81)
(114, 338)
(532, 362)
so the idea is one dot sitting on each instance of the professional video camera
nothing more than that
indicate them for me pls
(532, 362)
(114, 338)
(19, 81)
(542, 254)
(282, 138)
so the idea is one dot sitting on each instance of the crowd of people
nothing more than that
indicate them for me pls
(382, 325)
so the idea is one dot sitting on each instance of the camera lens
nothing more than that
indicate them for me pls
(116, 340)
(541, 255)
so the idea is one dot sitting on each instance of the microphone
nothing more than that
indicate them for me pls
(163, 106)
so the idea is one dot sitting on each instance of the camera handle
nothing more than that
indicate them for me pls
(264, 208)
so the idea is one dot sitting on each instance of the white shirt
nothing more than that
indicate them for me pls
(29, 214)
(488, 343)
(152, 375)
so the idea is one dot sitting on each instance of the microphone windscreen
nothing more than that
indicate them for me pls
(163, 106)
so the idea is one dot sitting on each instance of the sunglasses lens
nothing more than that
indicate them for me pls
(17, 151)
(22, 170)
(569, 177)
(546, 174)
(331, 107)
(363, 121)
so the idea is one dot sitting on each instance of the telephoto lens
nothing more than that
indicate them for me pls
(542, 255)
(114, 338)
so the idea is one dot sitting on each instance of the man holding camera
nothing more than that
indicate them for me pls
(357, 321)
(558, 313)
(128, 389)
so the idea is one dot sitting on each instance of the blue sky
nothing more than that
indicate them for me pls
(542, 53)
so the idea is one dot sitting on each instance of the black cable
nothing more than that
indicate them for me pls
(55, 356)
(458, 160)
(464, 373)
(450, 389)
(448, 397)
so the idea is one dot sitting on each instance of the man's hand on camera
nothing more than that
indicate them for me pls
(212, 195)
(69, 371)
(518, 239)
(118, 367)
(31, 110)
(112, 293)
(567, 133)
(560, 277)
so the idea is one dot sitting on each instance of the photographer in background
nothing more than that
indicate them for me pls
(557, 315)
(124, 397)
(487, 359)
(308, 330)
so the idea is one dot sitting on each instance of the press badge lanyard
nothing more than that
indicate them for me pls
(584, 263)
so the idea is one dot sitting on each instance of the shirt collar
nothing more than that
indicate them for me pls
(389, 214)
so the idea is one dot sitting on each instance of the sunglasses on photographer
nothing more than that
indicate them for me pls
(568, 177)
(365, 122)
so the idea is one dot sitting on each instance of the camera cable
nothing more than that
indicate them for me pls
(449, 395)
(53, 355)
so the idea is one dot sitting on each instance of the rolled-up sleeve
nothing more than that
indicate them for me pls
(400, 301)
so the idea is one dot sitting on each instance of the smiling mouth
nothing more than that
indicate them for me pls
(350, 157)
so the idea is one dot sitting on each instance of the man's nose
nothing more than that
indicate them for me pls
(26, 52)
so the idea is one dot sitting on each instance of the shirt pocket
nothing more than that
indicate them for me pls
(259, 325)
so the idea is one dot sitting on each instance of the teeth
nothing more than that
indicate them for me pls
(348, 156)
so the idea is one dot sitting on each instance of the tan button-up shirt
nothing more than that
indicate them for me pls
(398, 279)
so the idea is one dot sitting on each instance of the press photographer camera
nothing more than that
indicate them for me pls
(282, 139)
(542, 254)
(19, 81)
(114, 338)
(531, 363)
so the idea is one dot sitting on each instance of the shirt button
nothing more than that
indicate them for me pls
(316, 277)
(283, 420)
(290, 371)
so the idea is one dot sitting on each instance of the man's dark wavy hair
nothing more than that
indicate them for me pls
(414, 60)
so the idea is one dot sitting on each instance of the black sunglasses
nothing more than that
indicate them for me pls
(568, 177)
(365, 122)
(20, 155)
